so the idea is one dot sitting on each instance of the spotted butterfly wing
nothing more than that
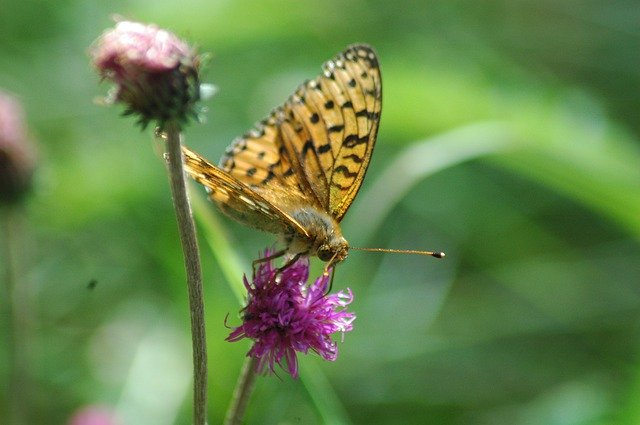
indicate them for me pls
(297, 172)
(237, 199)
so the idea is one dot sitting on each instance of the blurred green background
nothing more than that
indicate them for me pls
(511, 132)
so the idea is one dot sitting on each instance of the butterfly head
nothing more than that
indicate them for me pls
(333, 250)
(322, 236)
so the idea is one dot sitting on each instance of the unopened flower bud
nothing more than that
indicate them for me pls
(156, 74)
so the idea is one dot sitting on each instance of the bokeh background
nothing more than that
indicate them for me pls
(510, 138)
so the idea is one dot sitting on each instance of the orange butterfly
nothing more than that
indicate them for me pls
(298, 171)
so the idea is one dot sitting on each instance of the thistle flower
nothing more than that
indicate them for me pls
(156, 74)
(17, 154)
(284, 315)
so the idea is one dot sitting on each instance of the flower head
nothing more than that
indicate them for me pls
(156, 74)
(17, 154)
(284, 315)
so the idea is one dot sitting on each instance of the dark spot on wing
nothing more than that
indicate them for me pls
(308, 146)
(355, 158)
(269, 177)
(339, 186)
(353, 140)
(324, 148)
(345, 171)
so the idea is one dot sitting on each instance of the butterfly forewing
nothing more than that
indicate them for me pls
(330, 126)
(361, 80)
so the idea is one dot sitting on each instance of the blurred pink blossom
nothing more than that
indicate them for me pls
(17, 153)
(94, 415)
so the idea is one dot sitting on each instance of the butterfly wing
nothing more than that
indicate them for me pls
(312, 152)
(259, 160)
(239, 200)
(329, 127)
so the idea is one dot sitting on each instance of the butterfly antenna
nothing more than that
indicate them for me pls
(436, 254)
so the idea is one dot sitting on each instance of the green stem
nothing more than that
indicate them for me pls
(191, 253)
(242, 393)
(18, 310)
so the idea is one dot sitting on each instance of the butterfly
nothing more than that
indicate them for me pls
(297, 172)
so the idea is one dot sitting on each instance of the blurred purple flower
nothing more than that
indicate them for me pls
(284, 315)
(156, 74)
(94, 415)
(17, 153)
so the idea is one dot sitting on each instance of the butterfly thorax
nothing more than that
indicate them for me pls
(323, 239)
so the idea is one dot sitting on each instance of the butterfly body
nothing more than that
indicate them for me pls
(297, 172)
(323, 239)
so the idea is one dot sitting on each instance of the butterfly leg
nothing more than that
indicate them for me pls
(290, 262)
(273, 256)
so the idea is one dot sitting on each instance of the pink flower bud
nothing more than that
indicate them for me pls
(156, 74)
(17, 154)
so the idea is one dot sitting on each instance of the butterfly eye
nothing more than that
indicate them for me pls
(324, 253)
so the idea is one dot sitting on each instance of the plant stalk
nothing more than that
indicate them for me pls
(191, 253)
(18, 304)
(242, 393)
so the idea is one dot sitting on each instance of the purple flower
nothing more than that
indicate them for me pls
(284, 315)
(156, 74)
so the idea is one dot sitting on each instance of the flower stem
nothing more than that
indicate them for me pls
(18, 299)
(242, 393)
(189, 242)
